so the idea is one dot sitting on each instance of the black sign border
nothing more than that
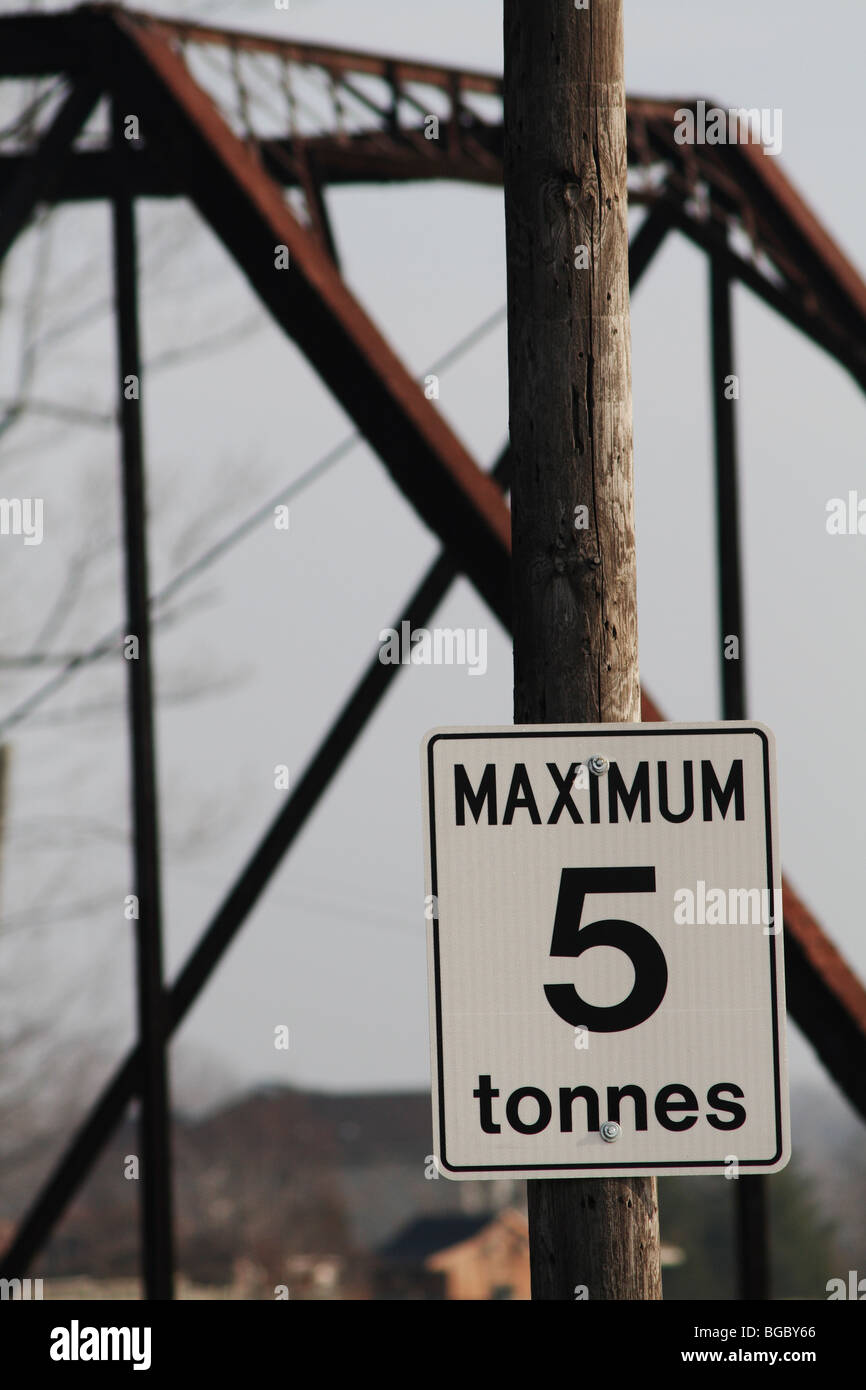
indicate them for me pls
(647, 1167)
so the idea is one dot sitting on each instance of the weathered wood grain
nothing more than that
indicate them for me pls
(575, 591)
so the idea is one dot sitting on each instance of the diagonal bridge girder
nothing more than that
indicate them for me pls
(313, 305)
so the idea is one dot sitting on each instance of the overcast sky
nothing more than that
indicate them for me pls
(285, 623)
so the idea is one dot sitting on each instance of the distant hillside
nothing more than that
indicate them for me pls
(273, 1173)
(281, 1172)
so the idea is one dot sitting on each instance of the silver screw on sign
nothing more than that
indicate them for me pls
(598, 765)
(610, 1131)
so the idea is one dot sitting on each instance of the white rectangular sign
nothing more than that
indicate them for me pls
(605, 950)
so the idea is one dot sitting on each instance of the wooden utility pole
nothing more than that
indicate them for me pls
(575, 594)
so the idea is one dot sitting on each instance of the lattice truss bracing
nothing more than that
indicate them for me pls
(232, 122)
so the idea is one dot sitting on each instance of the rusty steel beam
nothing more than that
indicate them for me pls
(362, 158)
(38, 45)
(825, 998)
(815, 288)
(814, 321)
(755, 180)
(312, 304)
(89, 175)
(41, 44)
(335, 60)
(377, 158)
(778, 204)
(822, 293)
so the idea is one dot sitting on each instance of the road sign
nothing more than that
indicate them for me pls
(605, 950)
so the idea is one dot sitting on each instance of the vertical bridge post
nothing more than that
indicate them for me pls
(750, 1192)
(156, 1204)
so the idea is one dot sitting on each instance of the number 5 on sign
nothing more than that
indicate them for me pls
(644, 952)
